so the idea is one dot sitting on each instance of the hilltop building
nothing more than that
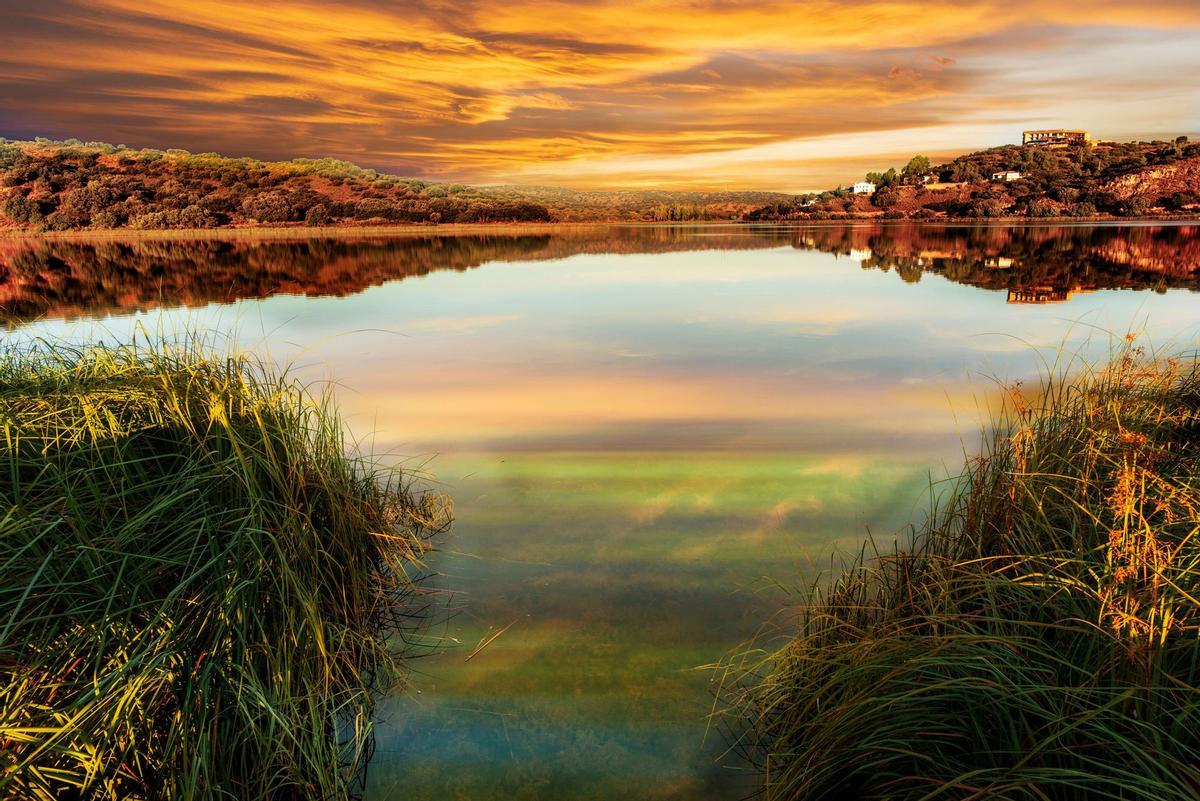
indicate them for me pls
(864, 188)
(1055, 137)
(1010, 175)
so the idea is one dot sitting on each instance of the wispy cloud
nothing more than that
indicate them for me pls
(590, 92)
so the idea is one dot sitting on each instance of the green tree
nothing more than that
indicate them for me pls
(965, 171)
(916, 167)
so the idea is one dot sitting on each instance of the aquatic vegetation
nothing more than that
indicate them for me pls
(202, 592)
(1036, 638)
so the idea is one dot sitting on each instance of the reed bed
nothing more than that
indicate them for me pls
(1036, 638)
(202, 590)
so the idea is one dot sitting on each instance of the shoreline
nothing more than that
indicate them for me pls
(469, 229)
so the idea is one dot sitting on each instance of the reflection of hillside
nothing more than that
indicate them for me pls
(1040, 264)
(1031, 264)
(75, 278)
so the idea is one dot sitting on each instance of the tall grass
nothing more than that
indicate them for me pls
(1038, 636)
(201, 592)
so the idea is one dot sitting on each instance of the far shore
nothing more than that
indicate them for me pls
(465, 229)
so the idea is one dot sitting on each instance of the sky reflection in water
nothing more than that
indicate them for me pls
(638, 443)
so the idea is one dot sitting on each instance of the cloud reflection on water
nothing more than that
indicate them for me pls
(637, 441)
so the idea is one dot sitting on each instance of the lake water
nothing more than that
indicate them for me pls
(650, 435)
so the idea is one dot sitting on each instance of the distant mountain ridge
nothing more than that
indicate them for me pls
(72, 185)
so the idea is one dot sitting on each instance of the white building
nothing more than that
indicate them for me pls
(1006, 176)
(864, 188)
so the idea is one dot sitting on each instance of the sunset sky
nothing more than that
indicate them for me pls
(774, 95)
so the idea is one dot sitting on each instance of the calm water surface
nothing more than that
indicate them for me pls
(645, 432)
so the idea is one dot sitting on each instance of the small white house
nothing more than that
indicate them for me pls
(864, 188)
(1006, 176)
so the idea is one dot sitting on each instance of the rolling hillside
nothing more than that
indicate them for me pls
(71, 185)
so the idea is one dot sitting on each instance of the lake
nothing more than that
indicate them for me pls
(651, 434)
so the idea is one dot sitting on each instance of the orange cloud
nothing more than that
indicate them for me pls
(498, 91)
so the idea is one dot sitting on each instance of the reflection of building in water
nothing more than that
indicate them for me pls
(860, 254)
(1042, 294)
(932, 258)
(1055, 137)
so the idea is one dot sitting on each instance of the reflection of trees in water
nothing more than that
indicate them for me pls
(1034, 264)
(74, 278)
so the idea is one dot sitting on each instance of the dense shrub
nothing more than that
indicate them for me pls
(20, 210)
(1135, 207)
(1041, 208)
(105, 219)
(150, 220)
(373, 208)
(268, 207)
(317, 215)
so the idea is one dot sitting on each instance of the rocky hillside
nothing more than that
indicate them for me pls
(1166, 186)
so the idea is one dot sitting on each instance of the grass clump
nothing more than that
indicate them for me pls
(201, 593)
(1038, 636)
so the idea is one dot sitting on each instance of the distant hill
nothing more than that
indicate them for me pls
(1099, 179)
(72, 185)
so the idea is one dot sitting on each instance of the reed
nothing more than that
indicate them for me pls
(202, 589)
(1036, 638)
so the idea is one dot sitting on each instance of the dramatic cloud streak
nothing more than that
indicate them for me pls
(595, 93)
